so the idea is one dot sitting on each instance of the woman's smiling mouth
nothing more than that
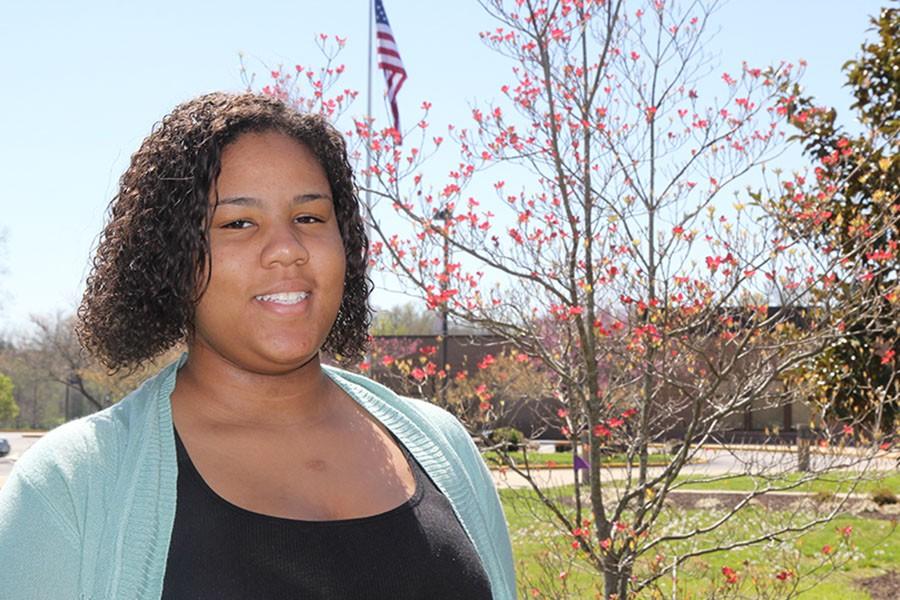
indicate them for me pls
(284, 298)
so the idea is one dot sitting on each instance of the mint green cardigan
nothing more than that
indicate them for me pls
(87, 512)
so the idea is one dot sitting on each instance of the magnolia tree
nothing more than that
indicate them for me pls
(595, 219)
(862, 171)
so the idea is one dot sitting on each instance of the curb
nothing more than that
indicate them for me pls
(787, 493)
(814, 449)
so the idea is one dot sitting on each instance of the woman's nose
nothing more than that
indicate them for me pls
(284, 247)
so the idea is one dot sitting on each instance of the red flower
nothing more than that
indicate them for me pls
(888, 356)
(487, 361)
(784, 575)
(827, 549)
(730, 574)
(601, 431)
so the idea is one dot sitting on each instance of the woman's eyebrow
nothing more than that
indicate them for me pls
(250, 201)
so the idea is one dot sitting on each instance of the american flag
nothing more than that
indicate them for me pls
(389, 59)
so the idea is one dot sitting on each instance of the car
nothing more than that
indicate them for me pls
(4, 446)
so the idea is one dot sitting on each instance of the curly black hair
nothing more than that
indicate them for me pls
(149, 268)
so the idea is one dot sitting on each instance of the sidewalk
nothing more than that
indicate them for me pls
(713, 463)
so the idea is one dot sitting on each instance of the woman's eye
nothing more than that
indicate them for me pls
(238, 224)
(308, 219)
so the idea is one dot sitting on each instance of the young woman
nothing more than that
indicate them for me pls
(246, 469)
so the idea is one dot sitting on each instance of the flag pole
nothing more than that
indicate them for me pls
(367, 221)
(368, 200)
(371, 5)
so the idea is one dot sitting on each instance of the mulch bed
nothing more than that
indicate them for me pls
(882, 587)
(862, 507)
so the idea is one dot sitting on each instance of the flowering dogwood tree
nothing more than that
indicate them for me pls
(594, 220)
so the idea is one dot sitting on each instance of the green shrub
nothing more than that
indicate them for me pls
(510, 436)
(823, 496)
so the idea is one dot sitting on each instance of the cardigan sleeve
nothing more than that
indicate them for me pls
(40, 554)
(487, 493)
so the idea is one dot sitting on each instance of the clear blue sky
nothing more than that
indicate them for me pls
(84, 81)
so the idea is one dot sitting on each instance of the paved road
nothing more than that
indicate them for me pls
(19, 443)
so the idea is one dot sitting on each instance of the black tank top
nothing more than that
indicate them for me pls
(417, 550)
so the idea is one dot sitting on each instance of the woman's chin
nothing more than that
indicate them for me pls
(278, 360)
(260, 358)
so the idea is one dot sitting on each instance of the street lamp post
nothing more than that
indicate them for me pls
(71, 380)
(445, 215)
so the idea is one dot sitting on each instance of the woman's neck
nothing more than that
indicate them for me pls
(211, 390)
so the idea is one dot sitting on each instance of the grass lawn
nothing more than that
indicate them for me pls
(543, 553)
(537, 459)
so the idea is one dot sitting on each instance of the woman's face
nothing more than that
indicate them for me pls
(277, 258)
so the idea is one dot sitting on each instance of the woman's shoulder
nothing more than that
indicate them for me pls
(77, 452)
(424, 413)
(383, 393)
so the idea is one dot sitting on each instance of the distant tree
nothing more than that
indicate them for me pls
(859, 170)
(9, 410)
(2, 267)
(48, 365)
(38, 396)
(59, 354)
(405, 319)
(66, 362)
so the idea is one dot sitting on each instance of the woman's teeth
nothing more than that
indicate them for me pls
(284, 297)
